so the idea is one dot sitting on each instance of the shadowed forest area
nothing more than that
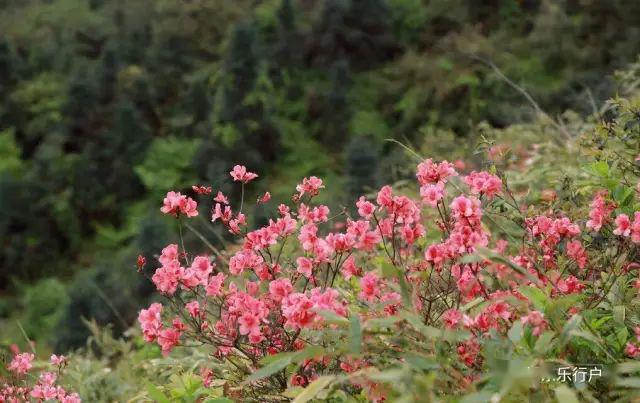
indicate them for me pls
(107, 104)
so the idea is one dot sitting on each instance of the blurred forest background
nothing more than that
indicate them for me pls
(107, 104)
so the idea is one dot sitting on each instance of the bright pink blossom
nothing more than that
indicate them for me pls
(623, 225)
(168, 339)
(193, 308)
(537, 321)
(21, 363)
(369, 287)
(214, 288)
(150, 321)
(280, 288)
(304, 266)
(483, 183)
(431, 194)
(600, 212)
(430, 172)
(310, 186)
(175, 203)
(240, 174)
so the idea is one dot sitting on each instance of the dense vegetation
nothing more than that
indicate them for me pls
(105, 105)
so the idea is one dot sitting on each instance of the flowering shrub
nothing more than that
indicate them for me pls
(22, 385)
(457, 272)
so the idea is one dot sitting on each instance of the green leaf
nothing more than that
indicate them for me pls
(600, 168)
(274, 366)
(628, 367)
(479, 397)
(314, 388)
(623, 195)
(565, 395)
(332, 318)
(387, 321)
(633, 383)
(536, 296)
(388, 375)
(619, 314)
(515, 333)
(156, 394)
(471, 304)
(355, 341)
(421, 362)
(219, 400)
(543, 344)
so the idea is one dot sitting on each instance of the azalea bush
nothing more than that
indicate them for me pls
(31, 381)
(464, 282)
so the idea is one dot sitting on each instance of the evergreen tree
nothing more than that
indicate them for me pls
(361, 167)
(359, 31)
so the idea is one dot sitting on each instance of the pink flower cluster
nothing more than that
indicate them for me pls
(600, 213)
(175, 203)
(275, 289)
(483, 183)
(626, 228)
(44, 388)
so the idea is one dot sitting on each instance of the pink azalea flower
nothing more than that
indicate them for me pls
(483, 183)
(168, 339)
(240, 174)
(21, 363)
(431, 194)
(623, 225)
(310, 186)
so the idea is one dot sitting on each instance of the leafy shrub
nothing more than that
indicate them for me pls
(472, 275)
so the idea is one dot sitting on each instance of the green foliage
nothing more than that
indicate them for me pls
(10, 161)
(105, 105)
(167, 164)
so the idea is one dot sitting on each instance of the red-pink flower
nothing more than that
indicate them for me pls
(632, 350)
(464, 207)
(221, 198)
(365, 208)
(310, 186)
(483, 183)
(193, 308)
(600, 211)
(369, 287)
(21, 363)
(304, 266)
(280, 288)
(202, 267)
(214, 288)
(349, 269)
(297, 310)
(264, 198)
(430, 172)
(175, 203)
(150, 321)
(436, 254)
(250, 325)
(576, 252)
(202, 190)
(431, 194)
(451, 318)
(635, 228)
(569, 285)
(240, 174)
(623, 225)
(58, 360)
(244, 259)
(537, 321)
(168, 339)
(167, 278)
